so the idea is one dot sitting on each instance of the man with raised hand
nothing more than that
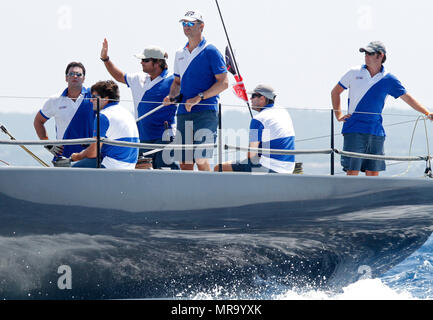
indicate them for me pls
(149, 88)
(270, 128)
(200, 76)
(72, 111)
(369, 85)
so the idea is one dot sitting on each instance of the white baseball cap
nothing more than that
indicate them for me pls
(152, 52)
(192, 15)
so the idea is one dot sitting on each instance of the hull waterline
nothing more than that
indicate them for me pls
(158, 234)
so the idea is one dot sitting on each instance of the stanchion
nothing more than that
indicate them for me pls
(220, 140)
(332, 142)
(98, 134)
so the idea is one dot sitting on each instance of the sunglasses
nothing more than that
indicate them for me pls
(189, 23)
(371, 53)
(146, 60)
(255, 95)
(94, 96)
(73, 74)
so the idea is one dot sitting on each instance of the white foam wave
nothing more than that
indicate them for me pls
(366, 289)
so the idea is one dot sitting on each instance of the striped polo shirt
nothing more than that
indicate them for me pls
(367, 96)
(273, 128)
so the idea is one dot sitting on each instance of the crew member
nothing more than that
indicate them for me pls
(116, 123)
(149, 88)
(270, 128)
(72, 111)
(200, 76)
(369, 85)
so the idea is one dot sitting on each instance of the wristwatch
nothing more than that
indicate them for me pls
(201, 95)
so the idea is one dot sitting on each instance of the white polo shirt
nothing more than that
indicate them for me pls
(197, 71)
(273, 128)
(74, 119)
(367, 96)
(117, 123)
(147, 95)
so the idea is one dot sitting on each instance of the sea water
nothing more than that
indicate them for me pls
(411, 279)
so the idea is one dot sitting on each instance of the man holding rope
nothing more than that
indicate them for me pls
(149, 88)
(200, 76)
(72, 111)
(369, 86)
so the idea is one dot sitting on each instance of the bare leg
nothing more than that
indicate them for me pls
(187, 166)
(227, 166)
(203, 164)
(352, 172)
(372, 173)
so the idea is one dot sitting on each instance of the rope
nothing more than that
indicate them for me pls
(318, 108)
(278, 151)
(379, 157)
(158, 146)
(48, 142)
(109, 142)
(206, 146)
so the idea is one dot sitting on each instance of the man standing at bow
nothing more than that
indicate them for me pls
(200, 76)
(369, 86)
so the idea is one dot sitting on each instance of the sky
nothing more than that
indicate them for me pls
(301, 48)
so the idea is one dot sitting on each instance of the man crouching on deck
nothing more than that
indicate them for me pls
(116, 123)
(271, 128)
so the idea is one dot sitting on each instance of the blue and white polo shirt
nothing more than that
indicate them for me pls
(117, 123)
(273, 128)
(74, 120)
(197, 70)
(147, 95)
(367, 96)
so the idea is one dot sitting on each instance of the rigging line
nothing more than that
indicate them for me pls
(410, 150)
(318, 109)
(339, 134)
(5, 162)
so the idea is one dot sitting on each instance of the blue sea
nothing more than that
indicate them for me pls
(411, 279)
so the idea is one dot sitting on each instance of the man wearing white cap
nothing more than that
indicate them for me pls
(271, 128)
(369, 85)
(200, 76)
(149, 88)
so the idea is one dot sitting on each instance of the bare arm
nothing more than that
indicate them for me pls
(221, 84)
(255, 144)
(90, 152)
(115, 72)
(416, 105)
(174, 91)
(336, 103)
(39, 124)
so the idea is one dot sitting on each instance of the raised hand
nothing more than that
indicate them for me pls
(104, 51)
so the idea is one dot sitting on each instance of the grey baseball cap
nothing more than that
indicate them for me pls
(265, 90)
(192, 15)
(374, 47)
(152, 52)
